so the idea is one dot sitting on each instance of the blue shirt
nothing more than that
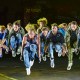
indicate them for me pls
(1, 35)
(61, 30)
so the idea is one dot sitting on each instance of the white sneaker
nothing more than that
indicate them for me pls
(7, 50)
(19, 51)
(31, 63)
(52, 63)
(69, 66)
(59, 54)
(13, 54)
(39, 60)
(44, 58)
(73, 50)
(28, 71)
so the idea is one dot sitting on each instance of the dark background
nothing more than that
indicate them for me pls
(30, 10)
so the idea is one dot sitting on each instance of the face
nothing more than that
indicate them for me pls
(45, 32)
(15, 27)
(41, 24)
(9, 27)
(65, 27)
(54, 29)
(31, 34)
(73, 27)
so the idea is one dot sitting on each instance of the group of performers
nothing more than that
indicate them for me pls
(40, 40)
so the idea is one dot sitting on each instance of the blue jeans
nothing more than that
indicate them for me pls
(42, 48)
(29, 54)
(15, 42)
(57, 48)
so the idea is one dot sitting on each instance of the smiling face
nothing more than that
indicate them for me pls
(73, 27)
(45, 32)
(15, 27)
(31, 33)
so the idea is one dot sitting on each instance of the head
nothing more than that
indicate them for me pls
(64, 25)
(73, 25)
(31, 33)
(2, 28)
(54, 28)
(42, 22)
(9, 26)
(16, 27)
(45, 31)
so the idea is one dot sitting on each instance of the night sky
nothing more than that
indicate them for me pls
(54, 11)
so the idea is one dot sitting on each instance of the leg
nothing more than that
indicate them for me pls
(51, 55)
(13, 44)
(42, 51)
(26, 61)
(58, 49)
(19, 42)
(70, 58)
(33, 50)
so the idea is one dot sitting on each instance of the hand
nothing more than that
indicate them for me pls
(21, 58)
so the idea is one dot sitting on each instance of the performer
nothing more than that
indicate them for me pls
(2, 40)
(72, 43)
(16, 36)
(6, 33)
(43, 39)
(55, 40)
(63, 28)
(29, 49)
(42, 22)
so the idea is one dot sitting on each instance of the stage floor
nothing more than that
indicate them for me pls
(14, 69)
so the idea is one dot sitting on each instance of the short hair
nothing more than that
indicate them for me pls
(44, 28)
(54, 24)
(32, 30)
(17, 23)
(64, 24)
(9, 24)
(74, 23)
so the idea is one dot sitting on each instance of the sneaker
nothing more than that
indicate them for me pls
(59, 54)
(13, 53)
(7, 50)
(73, 50)
(28, 71)
(69, 66)
(19, 51)
(39, 60)
(31, 63)
(52, 63)
(48, 55)
(44, 58)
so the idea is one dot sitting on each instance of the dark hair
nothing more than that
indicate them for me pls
(74, 23)
(17, 23)
(44, 28)
(9, 24)
(64, 24)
